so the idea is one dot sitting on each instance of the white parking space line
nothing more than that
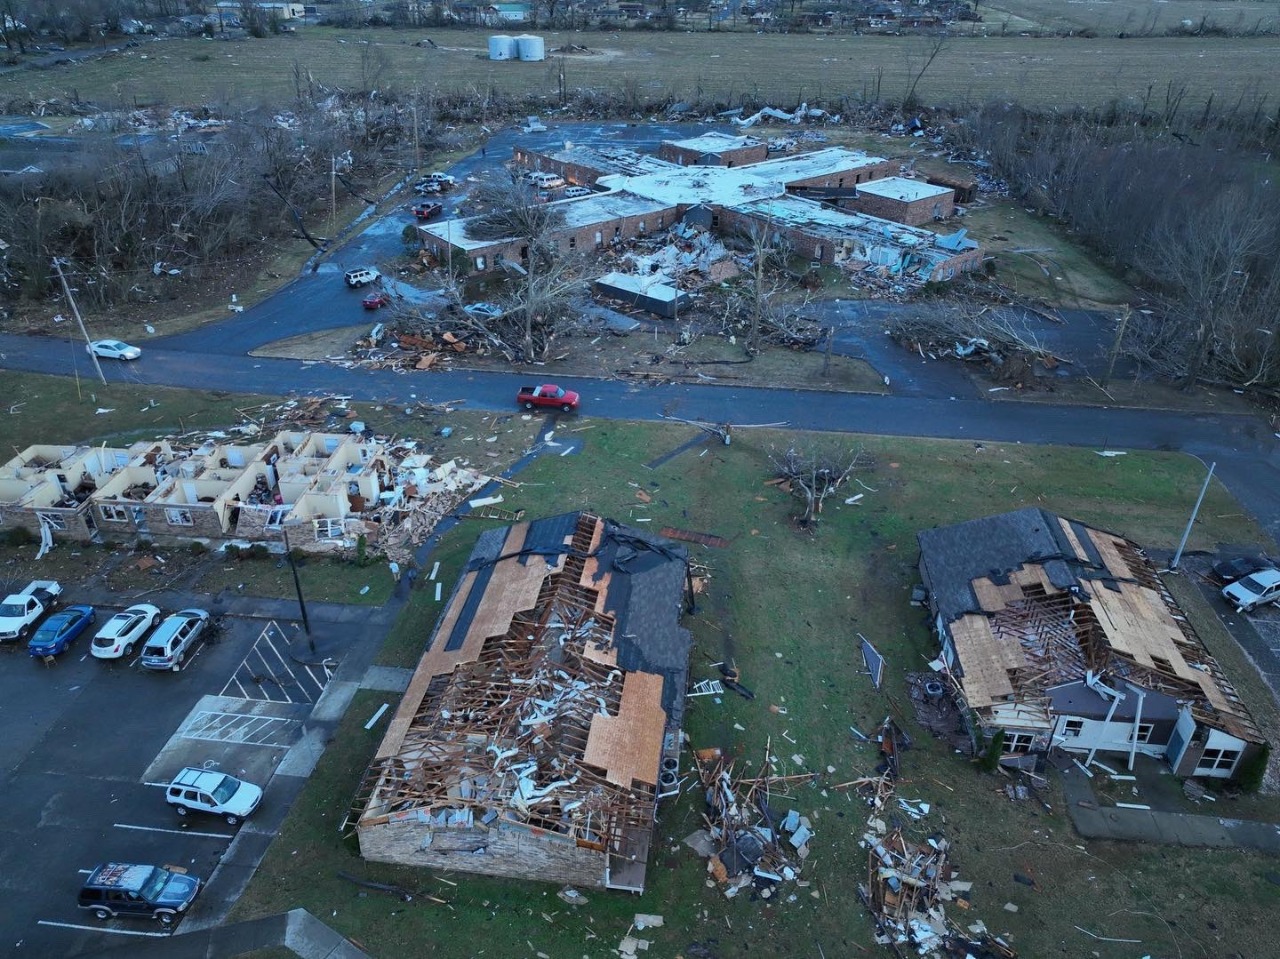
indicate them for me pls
(114, 932)
(175, 832)
(84, 871)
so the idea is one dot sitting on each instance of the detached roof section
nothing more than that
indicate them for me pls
(550, 688)
(1032, 600)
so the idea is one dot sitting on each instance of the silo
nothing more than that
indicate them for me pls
(531, 47)
(502, 48)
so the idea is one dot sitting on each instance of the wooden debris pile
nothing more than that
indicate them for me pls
(747, 840)
(910, 879)
(425, 494)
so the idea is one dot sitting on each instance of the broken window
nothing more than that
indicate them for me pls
(479, 264)
(277, 516)
(53, 520)
(1018, 742)
(328, 529)
(573, 242)
(1073, 727)
(113, 514)
(1218, 760)
(1144, 732)
(178, 517)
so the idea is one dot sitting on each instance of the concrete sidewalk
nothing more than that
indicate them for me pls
(296, 930)
(1095, 821)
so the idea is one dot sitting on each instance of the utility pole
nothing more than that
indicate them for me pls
(1121, 325)
(333, 193)
(297, 583)
(57, 265)
(1177, 557)
(417, 152)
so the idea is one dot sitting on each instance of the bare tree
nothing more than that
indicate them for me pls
(931, 49)
(815, 475)
(769, 253)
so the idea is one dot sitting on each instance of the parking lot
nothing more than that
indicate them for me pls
(89, 746)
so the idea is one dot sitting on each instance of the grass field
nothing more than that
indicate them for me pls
(716, 67)
(786, 606)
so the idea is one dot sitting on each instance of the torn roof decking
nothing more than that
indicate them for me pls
(715, 142)
(1032, 600)
(547, 671)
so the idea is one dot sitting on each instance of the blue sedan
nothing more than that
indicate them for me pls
(57, 632)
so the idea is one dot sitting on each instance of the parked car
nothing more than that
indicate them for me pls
(169, 644)
(426, 210)
(428, 186)
(486, 311)
(376, 301)
(121, 633)
(113, 350)
(132, 889)
(443, 179)
(210, 791)
(60, 630)
(547, 395)
(1230, 570)
(1254, 590)
(20, 612)
(546, 181)
(572, 192)
(361, 277)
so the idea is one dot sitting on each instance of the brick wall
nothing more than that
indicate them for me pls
(913, 213)
(577, 174)
(75, 523)
(739, 156)
(509, 851)
(583, 239)
(204, 521)
(848, 178)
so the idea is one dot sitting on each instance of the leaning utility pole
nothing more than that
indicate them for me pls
(57, 265)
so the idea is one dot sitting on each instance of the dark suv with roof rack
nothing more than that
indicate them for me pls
(130, 889)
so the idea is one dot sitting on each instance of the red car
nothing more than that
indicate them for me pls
(425, 211)
(376, 301)
(547, 395)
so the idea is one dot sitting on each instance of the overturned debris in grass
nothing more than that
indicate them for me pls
(748, 841)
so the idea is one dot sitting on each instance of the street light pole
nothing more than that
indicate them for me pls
(297, 583)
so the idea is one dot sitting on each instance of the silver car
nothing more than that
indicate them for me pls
(173, 639)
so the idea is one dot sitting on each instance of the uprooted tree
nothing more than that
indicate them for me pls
(539, 312)
(761, 306)
(815, 475)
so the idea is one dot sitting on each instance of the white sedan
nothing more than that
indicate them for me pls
(113, 350)
(123, 631)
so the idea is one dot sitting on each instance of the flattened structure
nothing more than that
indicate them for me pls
(530, 741)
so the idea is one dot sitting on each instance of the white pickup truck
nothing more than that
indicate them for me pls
(20, 612)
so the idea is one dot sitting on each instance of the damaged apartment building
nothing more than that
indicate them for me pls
(542, 724)
(1064, 637)
(834, 207)
(327, 488)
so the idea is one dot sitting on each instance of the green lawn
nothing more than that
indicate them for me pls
(786, 607)
(718, 68)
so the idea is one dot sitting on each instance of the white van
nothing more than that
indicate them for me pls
(546, 181)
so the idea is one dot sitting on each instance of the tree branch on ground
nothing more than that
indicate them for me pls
(815, 475)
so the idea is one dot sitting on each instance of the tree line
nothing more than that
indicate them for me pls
(1187, 207)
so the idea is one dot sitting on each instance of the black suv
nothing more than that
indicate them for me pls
(129, 889)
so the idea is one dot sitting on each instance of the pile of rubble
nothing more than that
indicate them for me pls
(910, 879)
(747, 842)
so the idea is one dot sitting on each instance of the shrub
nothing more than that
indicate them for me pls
(1250, 774)
(20, 536)
(991, 756)
(198, 548)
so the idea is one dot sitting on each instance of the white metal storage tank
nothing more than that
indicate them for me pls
(502, 48)
(531, 47)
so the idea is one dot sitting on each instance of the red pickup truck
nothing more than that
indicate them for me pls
(548, 395)
(425, 211)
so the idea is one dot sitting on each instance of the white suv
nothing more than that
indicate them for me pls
(207, 790)
(358, 278)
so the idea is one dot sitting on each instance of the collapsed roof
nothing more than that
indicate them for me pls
(549, 693)
(1032, 600)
